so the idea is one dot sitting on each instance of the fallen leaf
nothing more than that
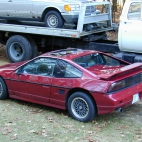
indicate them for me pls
(4, 132)
(102, 125)
(44, 132)
(122, 136)
(90, 132)
(32, 131)
(137, 137)
(14, 137)
(122, 127)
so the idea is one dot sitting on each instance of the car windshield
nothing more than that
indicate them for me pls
(96, 59)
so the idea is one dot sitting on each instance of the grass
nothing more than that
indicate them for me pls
(27, 122)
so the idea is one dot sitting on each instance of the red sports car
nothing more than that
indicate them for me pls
(87, 83)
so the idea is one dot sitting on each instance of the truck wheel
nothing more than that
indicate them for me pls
(18, 48)
(81, 107)
(53, 19)
(33, 46)
(3, 90)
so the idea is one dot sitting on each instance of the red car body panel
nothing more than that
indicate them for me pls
(95, 80)
(108, 103)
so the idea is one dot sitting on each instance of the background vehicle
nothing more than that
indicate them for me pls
(130, 32)
(25, 39)
(86, 82)
(52, 13)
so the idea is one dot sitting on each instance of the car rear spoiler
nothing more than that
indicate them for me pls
(129, 69)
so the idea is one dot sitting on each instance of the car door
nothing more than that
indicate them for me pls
(33, 80)
(19, 8)
(65, 77)
(130, 30)
(39, 6)
(3, 8)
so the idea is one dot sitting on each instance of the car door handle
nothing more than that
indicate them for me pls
(127, 22)
(46, 85)
(10, 1)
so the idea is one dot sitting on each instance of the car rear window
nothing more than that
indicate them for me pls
(96, 59)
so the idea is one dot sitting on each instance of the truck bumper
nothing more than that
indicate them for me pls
(70, 17)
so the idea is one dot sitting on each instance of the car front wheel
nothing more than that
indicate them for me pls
(3, 90)
(81, 107)
(53, 19)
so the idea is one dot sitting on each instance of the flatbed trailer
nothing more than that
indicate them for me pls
(102, 19)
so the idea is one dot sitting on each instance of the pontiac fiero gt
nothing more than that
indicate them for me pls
(87, 83)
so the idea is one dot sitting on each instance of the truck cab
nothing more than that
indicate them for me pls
(130, 29)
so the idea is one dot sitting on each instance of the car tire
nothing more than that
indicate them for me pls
(18, 48)
(53, 19)
(34, 47)
(81, 107)
(3, 90)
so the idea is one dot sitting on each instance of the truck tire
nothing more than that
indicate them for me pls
(3, 90)
(18, 48)
(81, 107)
(53, 19)
(33, 46)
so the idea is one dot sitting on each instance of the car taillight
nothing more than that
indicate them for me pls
(132, 80)
(116, 86)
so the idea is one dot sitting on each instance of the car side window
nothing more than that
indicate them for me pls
(65, 70)
(40, 66)
(134, 12)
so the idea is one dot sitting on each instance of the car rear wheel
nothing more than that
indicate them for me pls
(3, 90)
(53, 19)
(81, 107)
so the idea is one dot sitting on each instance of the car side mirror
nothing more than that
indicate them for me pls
(19, 71)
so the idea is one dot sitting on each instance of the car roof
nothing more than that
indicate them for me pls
(69, 53)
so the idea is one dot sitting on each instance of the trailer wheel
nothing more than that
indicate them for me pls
(18, 48)
(53, 19)
(33, 46)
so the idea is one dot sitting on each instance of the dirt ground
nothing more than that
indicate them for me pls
(3, 58)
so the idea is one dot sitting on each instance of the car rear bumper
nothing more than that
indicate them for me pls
(107, 103)
(109, 109)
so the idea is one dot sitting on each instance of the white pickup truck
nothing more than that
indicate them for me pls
(130, 32)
